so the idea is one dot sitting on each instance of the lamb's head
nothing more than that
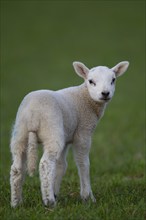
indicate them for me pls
(101, 80)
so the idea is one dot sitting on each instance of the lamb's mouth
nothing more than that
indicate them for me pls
(105, 99)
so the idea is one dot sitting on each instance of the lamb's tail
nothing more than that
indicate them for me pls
(32, 153)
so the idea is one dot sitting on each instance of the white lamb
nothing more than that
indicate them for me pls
(56, 119)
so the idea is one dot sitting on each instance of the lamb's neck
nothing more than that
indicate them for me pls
(96, 107)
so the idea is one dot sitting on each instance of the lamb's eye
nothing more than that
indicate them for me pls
(113, 80)
(92, 82)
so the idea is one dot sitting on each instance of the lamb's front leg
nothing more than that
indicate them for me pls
(61, 167)
(81, 154)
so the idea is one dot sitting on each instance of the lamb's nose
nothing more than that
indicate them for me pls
(105, 94)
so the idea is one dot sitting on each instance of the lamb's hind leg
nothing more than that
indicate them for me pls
(17, 171)
(47, 169)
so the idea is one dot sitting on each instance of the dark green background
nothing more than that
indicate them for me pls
(39, 42)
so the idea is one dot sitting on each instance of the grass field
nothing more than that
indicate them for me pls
(39, 42)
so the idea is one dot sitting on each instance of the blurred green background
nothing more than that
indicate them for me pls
(39, 42)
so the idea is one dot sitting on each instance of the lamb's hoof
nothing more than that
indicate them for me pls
(91, 196)
(49, 203)
(87, 198)
(16, 203)
(55, 196)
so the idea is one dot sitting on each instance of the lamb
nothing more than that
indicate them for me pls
(57, 119)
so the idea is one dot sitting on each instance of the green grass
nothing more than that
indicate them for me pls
(39, 42)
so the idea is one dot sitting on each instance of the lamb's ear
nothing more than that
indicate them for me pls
(81, 69)
(120, 68)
